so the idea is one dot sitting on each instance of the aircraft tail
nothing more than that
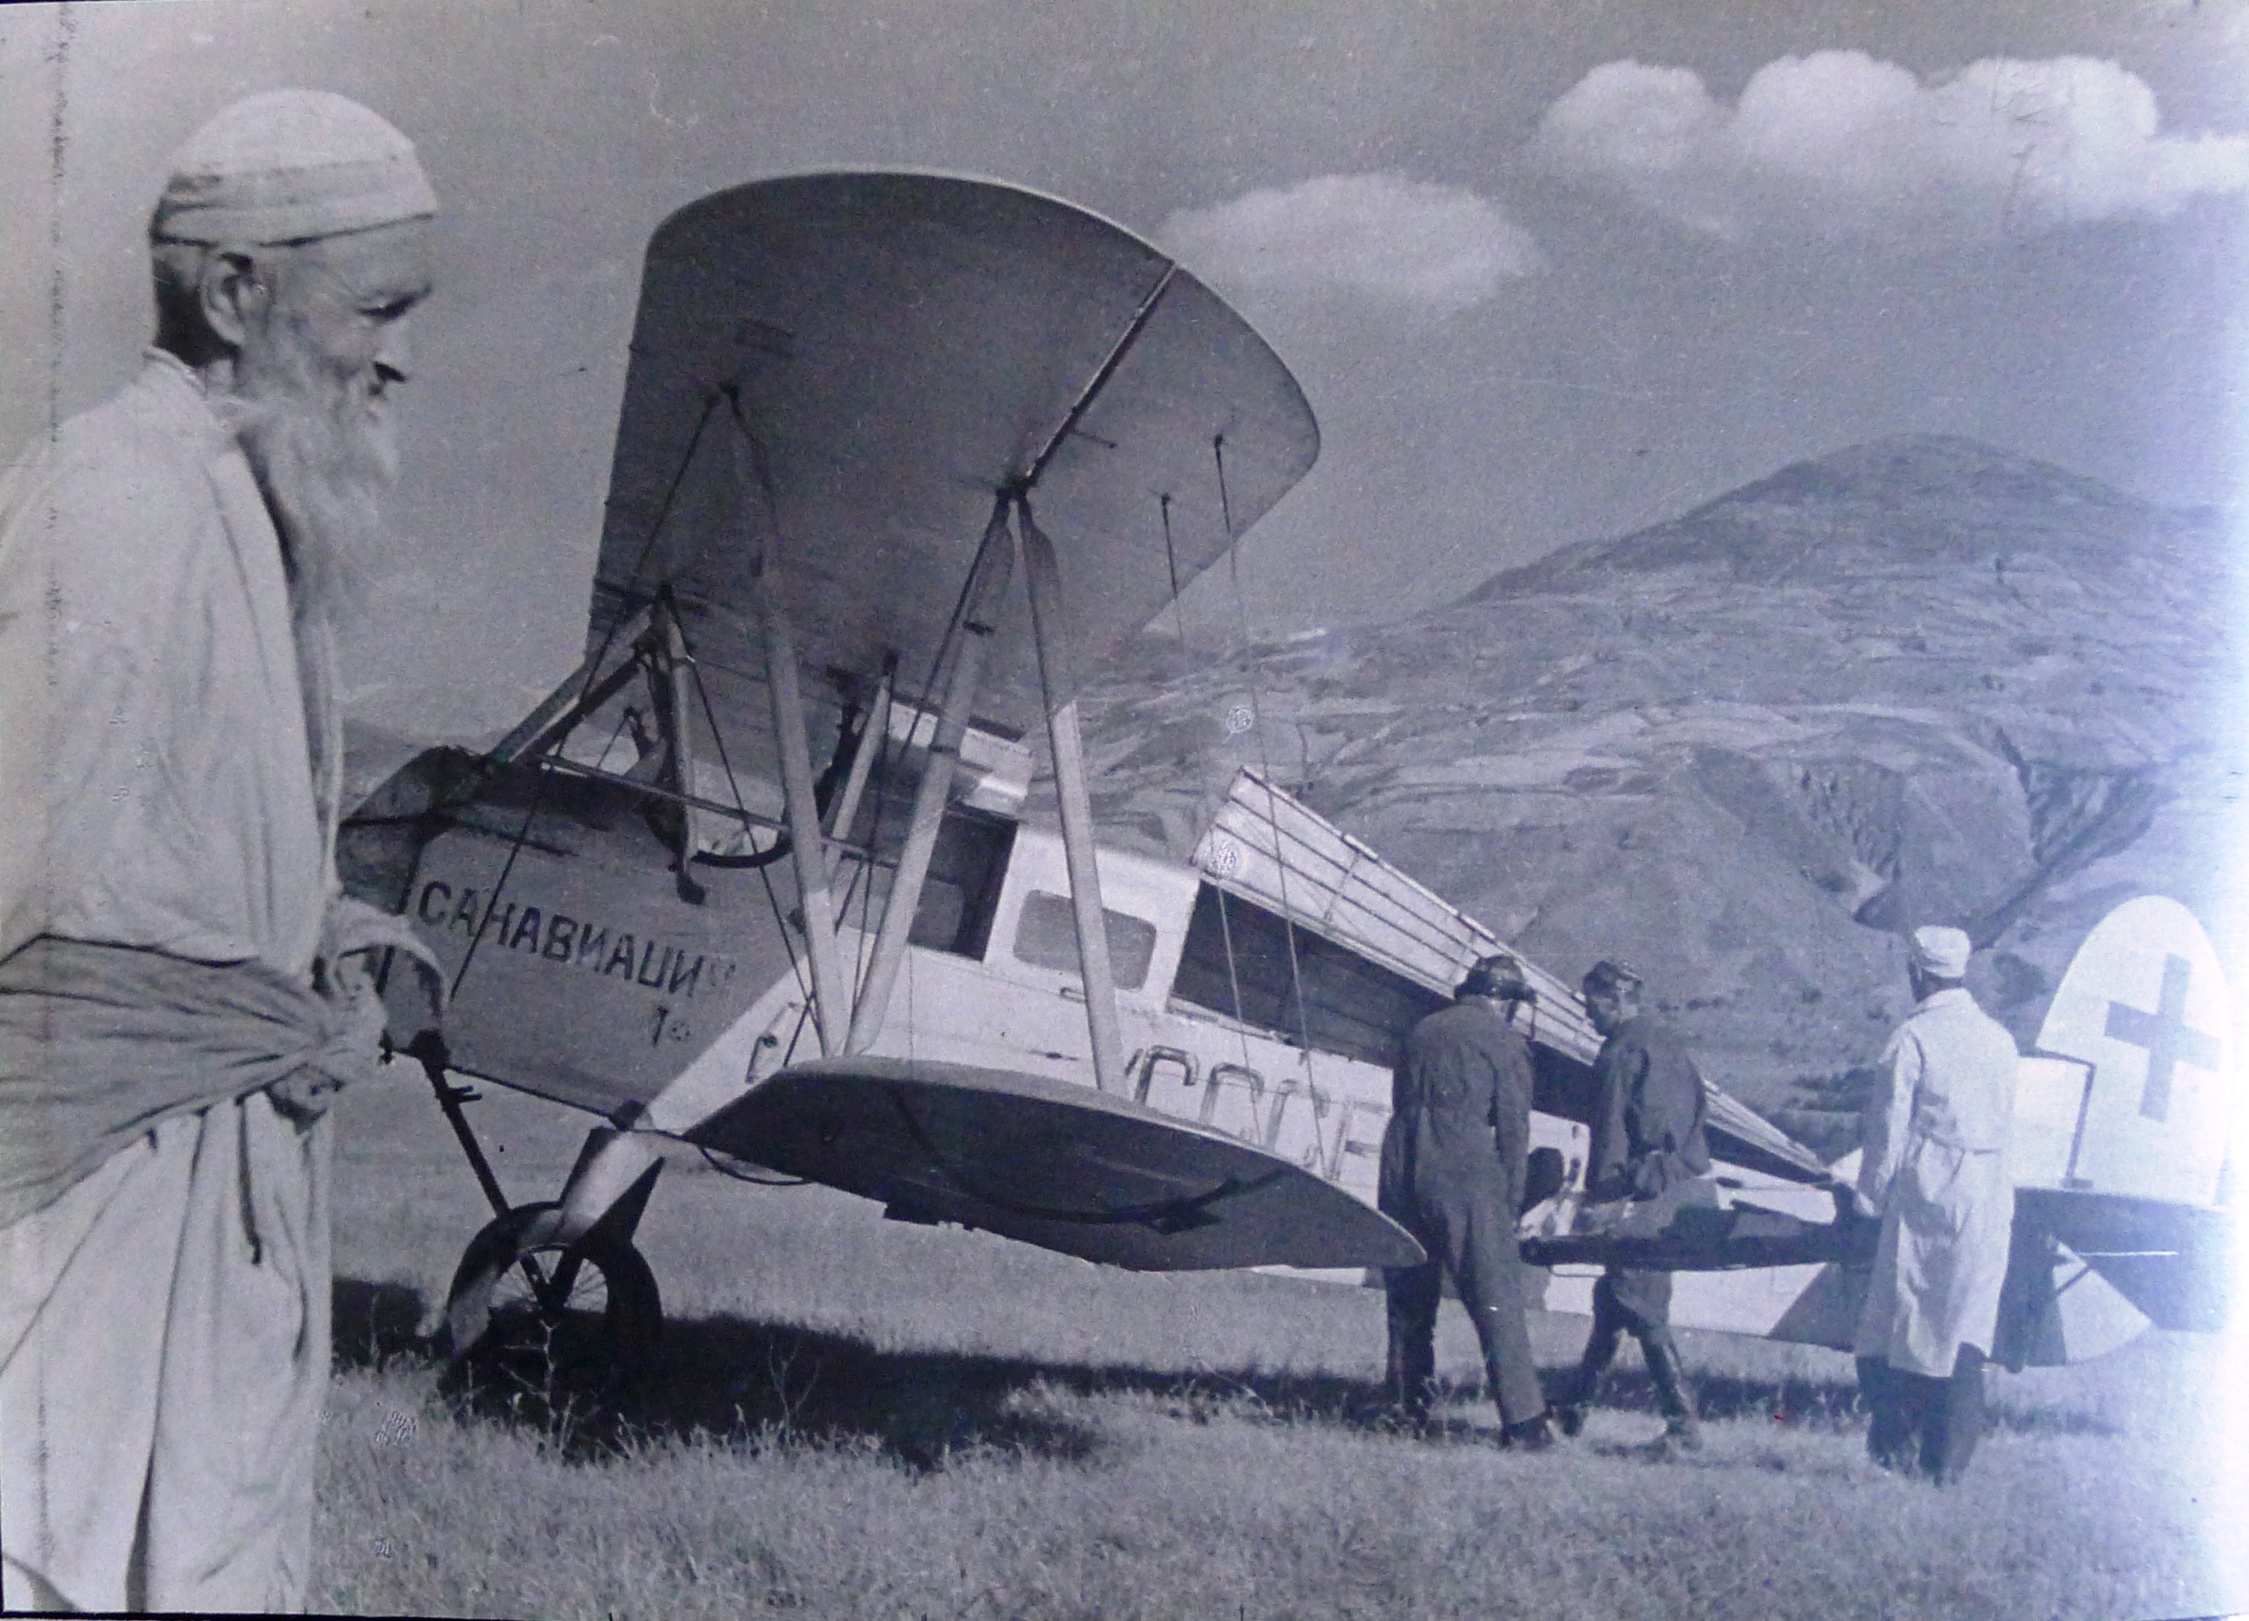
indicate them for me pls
(2120, 1150)
(2124, 1113)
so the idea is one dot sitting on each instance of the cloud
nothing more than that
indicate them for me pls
(1838, 144)
(1410, 242)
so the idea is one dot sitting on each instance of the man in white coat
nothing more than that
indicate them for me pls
(1933, 1168)
(179, 994)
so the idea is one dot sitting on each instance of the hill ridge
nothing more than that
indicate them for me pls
(1908, 499)
(1914, 681)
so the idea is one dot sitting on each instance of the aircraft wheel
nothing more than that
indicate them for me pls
(590, 1322)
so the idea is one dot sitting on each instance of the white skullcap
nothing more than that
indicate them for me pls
(289, 165)
(1940, 952)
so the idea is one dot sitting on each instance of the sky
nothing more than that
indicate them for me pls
(1548, 270)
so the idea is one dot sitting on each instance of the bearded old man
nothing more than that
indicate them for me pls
(181, 990)
(1933, 1168)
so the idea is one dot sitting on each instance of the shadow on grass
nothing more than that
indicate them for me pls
(373, 1323)
(1813, 1403)
(1819, 1403)
(728, 1376)
(725, 1376)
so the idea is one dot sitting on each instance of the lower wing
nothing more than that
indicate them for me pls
(1052, 1164)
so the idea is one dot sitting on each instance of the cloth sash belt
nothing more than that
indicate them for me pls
(98, 1043)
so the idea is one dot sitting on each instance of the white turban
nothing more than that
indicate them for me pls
(1940, 952)
(289, 165)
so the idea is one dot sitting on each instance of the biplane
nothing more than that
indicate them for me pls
(897, 453)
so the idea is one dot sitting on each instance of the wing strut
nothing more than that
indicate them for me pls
(1057, 681)
(831, 993)
(672, 673)
(873, 732)
(1100, 379)
(988, 577)
(577, 696)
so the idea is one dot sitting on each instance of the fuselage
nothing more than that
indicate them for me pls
(597, 981)
(1015, 1002)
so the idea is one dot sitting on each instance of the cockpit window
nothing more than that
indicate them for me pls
(1046, 937)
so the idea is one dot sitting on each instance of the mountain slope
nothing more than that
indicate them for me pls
(1919, 680)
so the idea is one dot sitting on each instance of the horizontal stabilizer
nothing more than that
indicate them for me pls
(2176, 1263)
(1051, 1164)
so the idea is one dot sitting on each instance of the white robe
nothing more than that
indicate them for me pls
(153, 736)
(164, 1322)
(1934, 1167)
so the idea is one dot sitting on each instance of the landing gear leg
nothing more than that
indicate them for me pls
(552, 1298)
(534, 1310)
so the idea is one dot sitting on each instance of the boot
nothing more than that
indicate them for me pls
(1575, 1397)
(1890, 1426)
(1532, 1435)
(1681, 1428)
(1600, 1351)
(1411, 1389)
(1955, 1420)
(1412, 1419)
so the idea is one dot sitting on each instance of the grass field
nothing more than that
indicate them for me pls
(856, 1418)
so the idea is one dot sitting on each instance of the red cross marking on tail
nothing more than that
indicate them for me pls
(2165, 1035)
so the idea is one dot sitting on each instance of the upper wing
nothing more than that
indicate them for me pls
(902, 347)
(889, 351)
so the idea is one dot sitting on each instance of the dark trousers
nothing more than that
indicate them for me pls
(1920, 1423)
(1477, 1250)
(1636, 1303)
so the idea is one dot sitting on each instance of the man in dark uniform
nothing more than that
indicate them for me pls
(1649, 1156)
(1452, 1174)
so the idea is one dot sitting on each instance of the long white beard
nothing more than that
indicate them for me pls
(324, 454)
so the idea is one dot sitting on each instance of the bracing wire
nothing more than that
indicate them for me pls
(1265, 764)
(625, 718)
(655, 531)
(1225, 924)
(1233, 974)
(671, 490)
(710, 719)
(492, 906)
(847, 871)
(797, 965)
(929, 701)
(788, 941)
(804, 1017)
(718, 738)
(1171, 562)
(593, 670)
(859, 888)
